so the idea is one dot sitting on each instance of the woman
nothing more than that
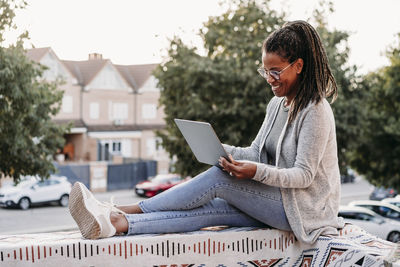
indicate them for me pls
(289, 178)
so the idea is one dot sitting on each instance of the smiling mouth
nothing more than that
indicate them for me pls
(276, 87)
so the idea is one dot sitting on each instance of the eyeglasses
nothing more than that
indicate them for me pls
(273, 73)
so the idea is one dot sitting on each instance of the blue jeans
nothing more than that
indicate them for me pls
(211, 198)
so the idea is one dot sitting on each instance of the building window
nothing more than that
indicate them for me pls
(158, 144)
(94, 110)
(116, 146)
(67, 104)
(149, 111)
(107, 148)
(120, 111)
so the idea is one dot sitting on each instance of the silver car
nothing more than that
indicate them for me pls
(384, 209)
(31, 191)
(394, 201)
(371, 222)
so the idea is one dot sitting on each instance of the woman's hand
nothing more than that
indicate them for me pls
(241, 170)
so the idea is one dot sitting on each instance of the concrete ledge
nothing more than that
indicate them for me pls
(217, 247)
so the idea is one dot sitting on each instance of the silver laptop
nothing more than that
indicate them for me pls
(202, 140)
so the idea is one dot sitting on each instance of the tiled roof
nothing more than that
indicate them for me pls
(36, 54)
(136, 75)
(85, 71)
(125, 72)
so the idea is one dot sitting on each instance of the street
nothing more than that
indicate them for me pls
(358, 190)
(51, 218)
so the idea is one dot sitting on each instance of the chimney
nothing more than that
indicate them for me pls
(94, 56)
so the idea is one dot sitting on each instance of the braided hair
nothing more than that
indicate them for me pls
(298, 39)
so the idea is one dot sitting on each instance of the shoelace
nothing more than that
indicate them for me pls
(112, 206)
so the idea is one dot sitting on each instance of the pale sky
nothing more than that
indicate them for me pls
(136, 31)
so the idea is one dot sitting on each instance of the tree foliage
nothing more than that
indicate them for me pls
(224, 87)
(348, 105)
(28, 137)
(377, 154)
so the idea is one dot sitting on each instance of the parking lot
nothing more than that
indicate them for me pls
(50, 217)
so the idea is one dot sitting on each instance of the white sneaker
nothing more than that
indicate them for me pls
(91, 215)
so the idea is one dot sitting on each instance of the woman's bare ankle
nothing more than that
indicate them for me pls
(120, 223)
(131, 209)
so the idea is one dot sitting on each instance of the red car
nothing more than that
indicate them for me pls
(158, 184)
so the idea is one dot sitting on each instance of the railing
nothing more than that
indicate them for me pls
(104, 176)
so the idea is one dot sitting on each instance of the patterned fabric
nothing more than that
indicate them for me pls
(220, 247)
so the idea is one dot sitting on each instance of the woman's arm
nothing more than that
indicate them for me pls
(316, 126)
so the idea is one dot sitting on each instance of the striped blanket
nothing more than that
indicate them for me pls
(215, 246)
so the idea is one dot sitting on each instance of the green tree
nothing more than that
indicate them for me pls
(224, 87)
(28, 137)
(377, 154)
(348, 105)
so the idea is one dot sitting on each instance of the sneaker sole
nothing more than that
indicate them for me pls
(87, 223)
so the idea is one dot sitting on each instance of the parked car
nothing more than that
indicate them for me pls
(392, 200)
(157, 184)
(384, 209)
(347, 178)
(371, 222)
(380, 193)
(32, 191)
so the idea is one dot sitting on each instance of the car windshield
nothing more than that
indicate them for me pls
(380, 190)
(396, 203)
(26, 183)
(160, 179)
(393, 214)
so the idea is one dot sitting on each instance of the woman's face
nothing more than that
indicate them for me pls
(287, 84)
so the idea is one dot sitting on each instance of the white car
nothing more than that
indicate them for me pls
(371, 222)
(392, 200)
(384, 209)
(31, 190)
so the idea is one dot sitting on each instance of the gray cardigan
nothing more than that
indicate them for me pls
(306, 170)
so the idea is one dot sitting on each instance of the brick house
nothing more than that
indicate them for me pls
(113, 108)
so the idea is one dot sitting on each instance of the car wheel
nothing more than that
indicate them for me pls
(394, 237)
(140, 192)
(64, 200)
(24, 203)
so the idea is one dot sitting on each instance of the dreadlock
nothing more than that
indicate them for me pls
(298, 39)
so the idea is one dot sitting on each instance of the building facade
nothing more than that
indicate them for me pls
(113, 109)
